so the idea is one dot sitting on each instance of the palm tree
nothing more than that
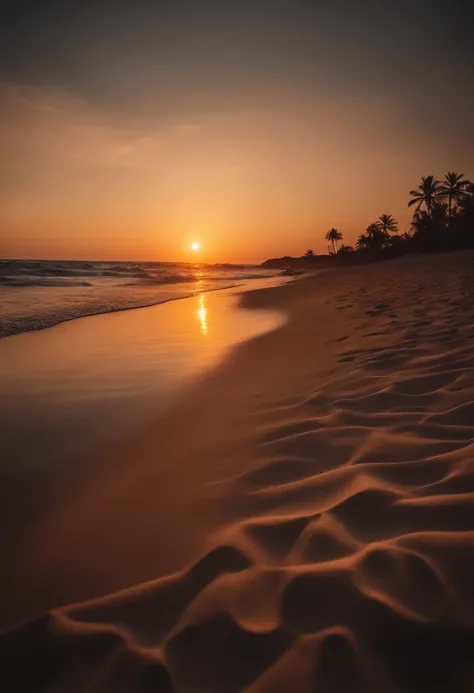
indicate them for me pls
(387, 224)
(377, 236)
(334, 236)
(427, 193)
(309, 253)
(437, 220)
(467, 201)
(465, 219)
(372, 229)
(374, 237)
(453, 189)
(363, 241)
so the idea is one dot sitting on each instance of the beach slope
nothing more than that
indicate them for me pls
(303, 521)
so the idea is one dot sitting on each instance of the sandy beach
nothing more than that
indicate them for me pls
(301, 519)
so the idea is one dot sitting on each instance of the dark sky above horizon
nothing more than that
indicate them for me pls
(252, 126)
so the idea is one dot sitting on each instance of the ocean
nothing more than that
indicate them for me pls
(40, 293)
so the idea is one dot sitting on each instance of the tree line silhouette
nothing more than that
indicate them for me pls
(443, 219)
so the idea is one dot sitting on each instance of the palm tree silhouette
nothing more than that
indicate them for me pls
(334, 236)
(375, 236)
(363, 241)
(466, 212)
(467, 201)
(427, 193)
(429, 230)
(387, 224)
(453, 189)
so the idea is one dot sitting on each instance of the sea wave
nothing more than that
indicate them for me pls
(42, 293)
(33, 282)
(187, 278)
(54, 271)
(23, 318)
(148, 273)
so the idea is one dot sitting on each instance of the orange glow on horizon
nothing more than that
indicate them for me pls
(90, 186)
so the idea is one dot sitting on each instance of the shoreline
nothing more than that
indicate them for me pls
(62, 320)
(262, 518)
(73, 390)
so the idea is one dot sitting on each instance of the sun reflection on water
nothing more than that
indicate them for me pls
(202, 314)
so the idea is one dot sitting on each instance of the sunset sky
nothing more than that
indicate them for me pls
(131, 129)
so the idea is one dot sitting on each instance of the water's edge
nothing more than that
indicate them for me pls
(52, 321)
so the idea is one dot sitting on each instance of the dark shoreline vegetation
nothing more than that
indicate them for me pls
(443, 221)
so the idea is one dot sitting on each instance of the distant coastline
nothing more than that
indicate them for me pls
(311, 262)
(443, 221)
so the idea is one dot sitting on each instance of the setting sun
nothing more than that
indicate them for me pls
(195, 247)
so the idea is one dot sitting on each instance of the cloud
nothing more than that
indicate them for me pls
(44, 126)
